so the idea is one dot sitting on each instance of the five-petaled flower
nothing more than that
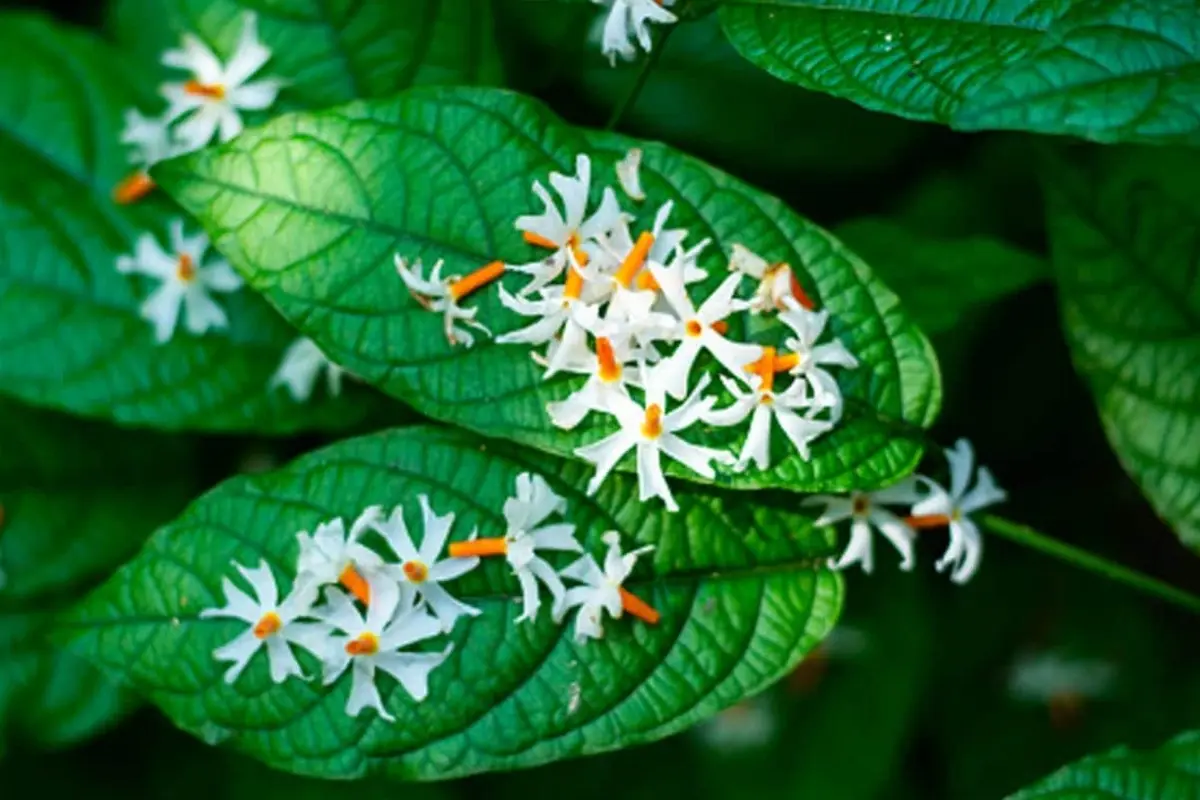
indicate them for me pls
(954, 507)
(185, 282)
(376, 642)
(776, 282)
(808, 359)
(865, 510)
(302, 364)
(273, 624)
(421, 569)
(603, 590)
(210, 102)
(150, 141)
(629, 20)
(442, 295)
(333, 555)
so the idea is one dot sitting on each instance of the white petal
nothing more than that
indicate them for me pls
(201, 312)
(605, 454)
(801, 431)
(605, 218)
(262, 582)
(412, 670)
(250, 54)
(238, 605)
(162, 309)
(698, 459)
(219, 277)
(385, 597)
(898, 533)
(340, 612)
(757, 447)
(904, 492)
(744, 260)
(256, 96)
(557, 537)
(239, 652)
(363, 693)
(985, 492)
(629, 174)
(196, 57)
(414, 625)
(836, 508)
(530, 602)
(962, 460)
(583, 570)
(859, 550)
(282, 662)
(574, 190)
(451, 568)
(672, 372)
(549, 224)
(446, 607)
(651, 480)
(437, 530)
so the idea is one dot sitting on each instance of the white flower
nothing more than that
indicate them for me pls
(666, 248)
(210, 102)
(149, 140)
(185, 282)
(808, 358)
(565, 320)
(606, 382)
(630, 19)
(273, 624)
(392, 623)
(442, 295)
(954, 507)
(420, 569)
(331, 555)
(762, 404)
(697, 330)
(776, 281)
(302, 365)
(653, 432)
(525, 514)
(602, 590)
(865, 510)
(629, 174)
(1048, 677)
(567, 233)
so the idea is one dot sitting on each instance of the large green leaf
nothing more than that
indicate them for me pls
(70, 334)
(329, 51)
(917, 58)
(742, 589)
(1125, 240)
(1109, 70)
(441, 174)
(941, 281)
(1172, 772)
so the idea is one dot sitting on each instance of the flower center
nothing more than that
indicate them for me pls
(211, 91)
(356, 584)
(269, 625)
(764, 368)
(581, 257)
(415, 571)
(185, 268)
(860, 505)
(652, 425)
(609, 370)
(367, 644)
(693, 328)
(574, 286)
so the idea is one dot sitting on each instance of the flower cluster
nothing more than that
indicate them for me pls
(930, 505)
(619, 309)
(628, 21)
(363, 599)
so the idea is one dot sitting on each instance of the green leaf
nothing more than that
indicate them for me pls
(1171, 772)
(329, 51)
(1108, 70)
(941, 281)
(741, 586)
(70, 334)
(919, 59)
(442, 174)
(1125, 241)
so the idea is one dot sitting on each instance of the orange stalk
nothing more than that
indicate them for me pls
(497, 546)
(764, 368)
(646, 282)
(574, 286)
(798, 292)
(608, 368)
(927, 521)
(639, 607)
(213, 91)
(634, 261)
(133, 188)
(537, 240)
(357, 585)
(720, 326)
(786, 362)
(479, 278)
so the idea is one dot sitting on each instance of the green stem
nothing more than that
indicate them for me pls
(643, 74)
(1027, 536)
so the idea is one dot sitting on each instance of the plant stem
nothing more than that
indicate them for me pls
(1027, 536)
(638, 84)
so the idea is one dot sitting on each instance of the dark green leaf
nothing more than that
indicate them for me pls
(70, 334)
(442, 173)
(1125, 240)
(741, 586)
(329, 51)
(941, 281)
(1109, 70)
(1172, 772)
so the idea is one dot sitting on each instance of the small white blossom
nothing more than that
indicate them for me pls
(652, 432)
(629, 174)
(606, 382)
(1047, 677)
(149, 139)
(273, 625)
(565, 319)
(437, 294)
(865, 509)
(392, 623)
(777, 281)
(420, 568)
(629, 20)
(211, 101)
(331, 555)
(601, 590)
(809, 358)
(762, 404)
(302, 364)
(955, 507)
(567, 233)
(525, 514)
(697, 330)
(185, 282)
